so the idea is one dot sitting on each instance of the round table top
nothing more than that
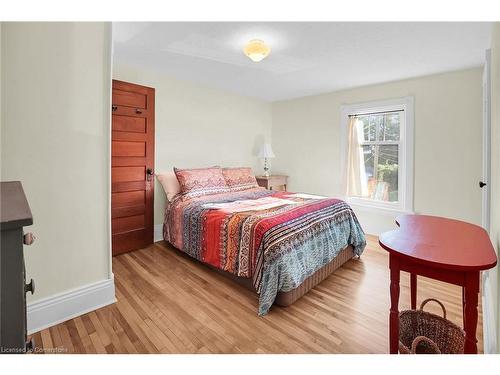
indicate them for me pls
(440, 242)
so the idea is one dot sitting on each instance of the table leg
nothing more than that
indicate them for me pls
(394, 312)
(413, 288)
(471, 300)
(463, 306)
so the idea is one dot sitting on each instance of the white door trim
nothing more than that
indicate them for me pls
(486, 173)
(489, 318)
(489, 321)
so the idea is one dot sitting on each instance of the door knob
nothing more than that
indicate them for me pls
(29, 238)
(114, 108)
(149, 174)
(30, 287)
(482, 184)
(138, 111)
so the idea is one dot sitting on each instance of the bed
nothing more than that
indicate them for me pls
(280, 243)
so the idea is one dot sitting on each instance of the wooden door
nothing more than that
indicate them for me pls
(132, 166)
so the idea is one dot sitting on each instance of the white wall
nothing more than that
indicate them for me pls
(197, 126)
(448, 128)
(495, 170)
(55, 140)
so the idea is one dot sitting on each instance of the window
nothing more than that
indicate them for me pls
(380, 149)
(378, 154)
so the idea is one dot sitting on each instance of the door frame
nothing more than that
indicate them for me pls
(489, 322)
(486, 142)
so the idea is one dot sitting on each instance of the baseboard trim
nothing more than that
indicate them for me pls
(59, 308)
(489, 321)
(158, 233)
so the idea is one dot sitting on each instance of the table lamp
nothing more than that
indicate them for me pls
(266, 152)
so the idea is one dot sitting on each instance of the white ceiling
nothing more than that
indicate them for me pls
(307, 58)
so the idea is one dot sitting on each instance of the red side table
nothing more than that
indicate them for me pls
(443, 249)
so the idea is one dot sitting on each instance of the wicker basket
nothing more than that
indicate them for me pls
(421, 332)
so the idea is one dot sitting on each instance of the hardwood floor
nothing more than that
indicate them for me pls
(170, 304)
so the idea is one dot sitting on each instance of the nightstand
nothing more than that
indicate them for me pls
(273, 182)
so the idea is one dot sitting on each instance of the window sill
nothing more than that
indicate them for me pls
(374, 208)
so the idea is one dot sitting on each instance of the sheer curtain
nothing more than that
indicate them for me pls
(356, 175)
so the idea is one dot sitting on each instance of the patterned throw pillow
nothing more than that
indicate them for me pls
(201, 181)
(239, 178)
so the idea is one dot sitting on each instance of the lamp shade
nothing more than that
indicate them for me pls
(266, 151)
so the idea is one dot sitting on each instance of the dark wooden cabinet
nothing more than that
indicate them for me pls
(15, 215)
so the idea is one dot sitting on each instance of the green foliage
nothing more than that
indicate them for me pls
(388, 173)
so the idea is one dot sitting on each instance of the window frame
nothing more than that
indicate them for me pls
(405, 151)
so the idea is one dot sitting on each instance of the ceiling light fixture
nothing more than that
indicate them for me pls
(257, 50)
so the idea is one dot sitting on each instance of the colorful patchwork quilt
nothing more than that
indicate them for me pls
(276, 238)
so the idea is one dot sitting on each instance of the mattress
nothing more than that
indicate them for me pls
(287, 298)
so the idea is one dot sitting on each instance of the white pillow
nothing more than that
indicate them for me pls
(169, 183)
